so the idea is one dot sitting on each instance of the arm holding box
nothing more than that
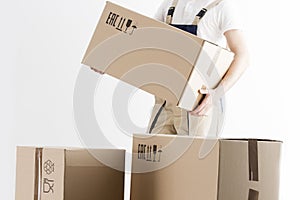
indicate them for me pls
(237, 45)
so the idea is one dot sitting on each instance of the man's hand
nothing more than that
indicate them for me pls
(206, 104)
(96, 70)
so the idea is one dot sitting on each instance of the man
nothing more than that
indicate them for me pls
(215, 21)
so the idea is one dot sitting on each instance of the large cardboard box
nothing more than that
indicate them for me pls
(177, 167)
(69, 174)
(156, 57)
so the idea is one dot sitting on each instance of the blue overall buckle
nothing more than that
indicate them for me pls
(171, 10)
(202, 12)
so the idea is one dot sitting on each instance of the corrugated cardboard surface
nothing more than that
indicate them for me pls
(105, 31)
(235, 169)
(87, 178)
(60, 174)
(121, 55)
(181, 177)
(234, 180)
(155, 55)
(53, 174)
(25, 173)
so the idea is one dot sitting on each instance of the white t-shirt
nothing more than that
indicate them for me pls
(212, 26)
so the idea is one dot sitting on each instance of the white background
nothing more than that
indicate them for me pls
(41, 47)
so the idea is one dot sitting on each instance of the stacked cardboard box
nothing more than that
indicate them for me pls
(69, 174)
(168, 167)
(164, 167)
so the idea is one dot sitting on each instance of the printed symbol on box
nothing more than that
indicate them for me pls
(148, 157)
(117, 21)
(144, 151)
(149, 152)
(156, 153)
(49, 167)
(159, 154)
(120, 24)
(129, 21)
(48, 186)
(141, 151)
(112, 18)
(133, 28)
(128, 27)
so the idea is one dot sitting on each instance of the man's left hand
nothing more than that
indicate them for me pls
(205, 105)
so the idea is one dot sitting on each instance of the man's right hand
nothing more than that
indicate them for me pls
(96, 70)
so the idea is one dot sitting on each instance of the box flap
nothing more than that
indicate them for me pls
(247, 139)
(112, 158)
(94, 174)
(25, 173)
(249, 169)
(53, 174)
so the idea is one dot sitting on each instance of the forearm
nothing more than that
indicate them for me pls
(237, 45)
(235, 71)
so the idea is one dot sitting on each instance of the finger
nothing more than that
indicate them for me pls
(204, 111)
(201, 106)
(198, 108)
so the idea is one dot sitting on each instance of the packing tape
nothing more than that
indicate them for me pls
(253, 194)
(253, 160)
(38, 174)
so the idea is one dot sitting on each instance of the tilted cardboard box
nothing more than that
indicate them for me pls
(168, 167)
(156, 57)
(69, 174)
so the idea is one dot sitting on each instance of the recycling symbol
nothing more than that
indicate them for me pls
(48, 167)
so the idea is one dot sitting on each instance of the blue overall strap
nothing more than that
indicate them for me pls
(204, 10)
(171, 12)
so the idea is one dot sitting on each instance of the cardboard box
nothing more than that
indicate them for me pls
(210, 169)
(158, 58)
(69, 174)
